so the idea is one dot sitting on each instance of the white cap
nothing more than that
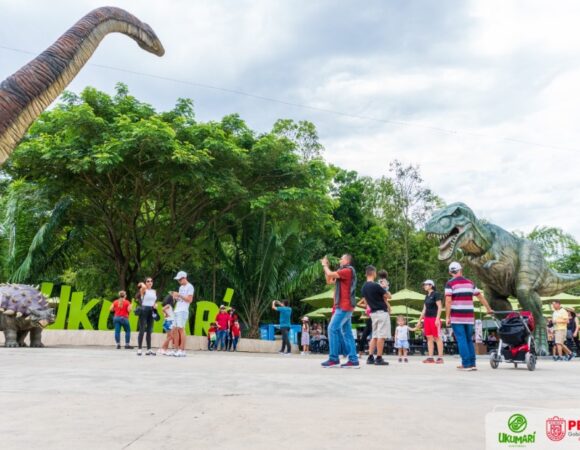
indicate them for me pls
(431, 282)
(454, 267)
(181, 274)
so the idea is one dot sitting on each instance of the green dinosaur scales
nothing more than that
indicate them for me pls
(506, 264)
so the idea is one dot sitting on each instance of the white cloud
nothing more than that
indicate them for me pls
(486, 70)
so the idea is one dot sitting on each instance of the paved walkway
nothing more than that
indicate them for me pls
(97, 398)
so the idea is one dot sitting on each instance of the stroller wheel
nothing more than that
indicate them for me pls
(531, 361)
(493, 360)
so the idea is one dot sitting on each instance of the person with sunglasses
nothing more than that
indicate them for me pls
(148, 297)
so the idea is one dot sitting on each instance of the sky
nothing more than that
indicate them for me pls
(483, 96)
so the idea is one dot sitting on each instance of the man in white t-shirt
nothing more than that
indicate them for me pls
(183, 299)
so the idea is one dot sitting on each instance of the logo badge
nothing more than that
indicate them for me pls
(517, 423)
(556, 428)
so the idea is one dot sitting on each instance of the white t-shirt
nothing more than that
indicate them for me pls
(149, 297)
(402, 333)
(184, 290)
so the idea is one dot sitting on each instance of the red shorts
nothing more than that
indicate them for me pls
(430, 328)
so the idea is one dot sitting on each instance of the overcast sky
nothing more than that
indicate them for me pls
(483, 96)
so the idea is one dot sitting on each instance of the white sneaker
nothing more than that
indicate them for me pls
(169, 353)
(162, 352)
(139, 353)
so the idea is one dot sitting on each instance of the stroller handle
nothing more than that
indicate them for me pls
(504, 312)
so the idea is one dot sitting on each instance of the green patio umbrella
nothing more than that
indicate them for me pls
(319, 313)
(402, 310)
(408, 298)
(565, 299)
(322, 300)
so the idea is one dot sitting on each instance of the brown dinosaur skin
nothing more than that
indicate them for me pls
(27, 93)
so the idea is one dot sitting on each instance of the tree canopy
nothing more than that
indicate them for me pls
(105, 190)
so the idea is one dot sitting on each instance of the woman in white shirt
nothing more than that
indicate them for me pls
(148, 302)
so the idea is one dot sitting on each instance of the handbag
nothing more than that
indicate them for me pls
(138, 310)
(155, 315)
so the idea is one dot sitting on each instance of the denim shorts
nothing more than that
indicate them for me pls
(181, 318)
(402, 344)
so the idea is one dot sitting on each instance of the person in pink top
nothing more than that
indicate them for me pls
(223, 322)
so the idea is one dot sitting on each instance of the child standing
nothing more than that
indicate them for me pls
(402, 338)
(305, 339)
(236, 333)
(168, 327)
(212, 337)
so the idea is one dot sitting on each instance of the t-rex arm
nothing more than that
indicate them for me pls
(24, 95)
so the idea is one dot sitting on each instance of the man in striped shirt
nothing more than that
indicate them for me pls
(459, 312)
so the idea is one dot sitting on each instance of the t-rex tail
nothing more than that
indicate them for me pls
(556, 283)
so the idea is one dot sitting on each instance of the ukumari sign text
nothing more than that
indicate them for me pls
(72, 312)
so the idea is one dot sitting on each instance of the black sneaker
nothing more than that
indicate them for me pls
(380, 361)
(118, 347)
(371, 359)
(128, 347)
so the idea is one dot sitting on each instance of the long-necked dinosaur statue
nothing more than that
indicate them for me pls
(505, 263)
(24, 95)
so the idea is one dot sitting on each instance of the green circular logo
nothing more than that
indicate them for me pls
(517, 423)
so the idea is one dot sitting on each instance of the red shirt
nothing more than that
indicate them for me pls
(236, 331)
(345, 282)
(223, 320)
(121, 307)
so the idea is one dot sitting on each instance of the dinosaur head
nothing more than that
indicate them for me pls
(149, 41)
(41, 317)
(124, 22)
(457, 228)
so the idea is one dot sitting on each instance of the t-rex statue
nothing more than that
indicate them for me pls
(27, 93)
(505, 263)
(24, 96)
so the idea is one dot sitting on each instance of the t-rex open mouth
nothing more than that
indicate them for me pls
(447, 242)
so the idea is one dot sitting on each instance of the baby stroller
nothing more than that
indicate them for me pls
(516, 341)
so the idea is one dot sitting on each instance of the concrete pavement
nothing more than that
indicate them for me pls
(102, 398)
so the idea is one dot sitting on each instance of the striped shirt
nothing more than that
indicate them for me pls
(461, 290)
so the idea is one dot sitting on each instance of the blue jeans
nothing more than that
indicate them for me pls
(220, 343)
(340, 332)
(122, 322)
(463, 334)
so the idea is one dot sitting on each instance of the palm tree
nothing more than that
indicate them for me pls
(33, 251)
(264, 262)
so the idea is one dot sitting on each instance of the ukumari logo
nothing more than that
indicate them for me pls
(517, 423)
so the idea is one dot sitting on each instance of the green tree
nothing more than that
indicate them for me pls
(148, 188)
(264, 262)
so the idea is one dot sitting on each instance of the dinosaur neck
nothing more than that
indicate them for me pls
(24, 95)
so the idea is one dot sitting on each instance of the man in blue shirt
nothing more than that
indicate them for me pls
(285, 321)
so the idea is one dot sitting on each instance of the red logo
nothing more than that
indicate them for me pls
(556, 428)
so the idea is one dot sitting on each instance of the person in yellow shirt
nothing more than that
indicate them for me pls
(560, 320)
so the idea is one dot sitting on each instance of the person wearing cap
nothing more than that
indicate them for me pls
(223, 322)
(560, 321)
(183, 299)
(431, 316)
(460, 313)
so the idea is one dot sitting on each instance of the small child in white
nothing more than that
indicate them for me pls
(168, 327)
(402, 338)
